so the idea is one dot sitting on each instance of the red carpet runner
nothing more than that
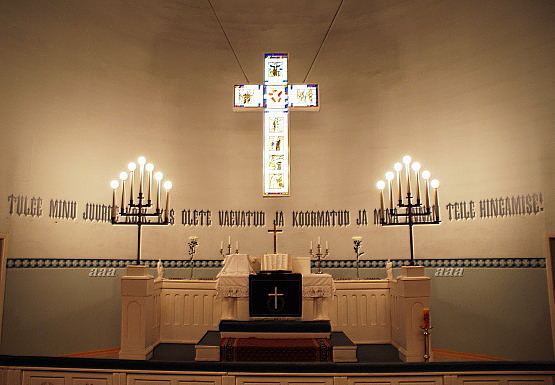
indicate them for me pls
(276, 349)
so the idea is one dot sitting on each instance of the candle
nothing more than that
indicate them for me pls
(167, 213)
(381, 205)
(131, 166)
(141, 162)
(427, 195)
(390, 197)
(398, 167)
(149, 168)
(435, 186)
(123, 176)
(229, 240)
(115, 185)
(131, 183)
(417, 187)
(167, 186)
(426, 318)
(416, 168)
(158, 176)
(326, 245)
(389, 177)
(310, 247)
(407, 172)
(237, 246)
(381, 186)
(221, 245)
(426, 176)
(406, 160)
(318, 241)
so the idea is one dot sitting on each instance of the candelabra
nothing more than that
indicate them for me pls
(319, 255)
(134, 211)
(357, 242)
(228, 247)
(407, 212)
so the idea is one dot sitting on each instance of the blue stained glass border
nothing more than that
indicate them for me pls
(57, 263)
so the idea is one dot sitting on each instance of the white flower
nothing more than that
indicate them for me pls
(357, 238)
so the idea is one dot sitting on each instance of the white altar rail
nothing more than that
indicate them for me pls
(361, 310)
(181, 311)
(188, 308)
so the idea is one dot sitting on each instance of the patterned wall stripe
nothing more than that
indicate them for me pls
(15, 263)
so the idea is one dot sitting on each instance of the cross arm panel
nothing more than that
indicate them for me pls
(248, 97)
(304, 97)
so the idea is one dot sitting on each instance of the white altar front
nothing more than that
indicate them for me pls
(386, 311)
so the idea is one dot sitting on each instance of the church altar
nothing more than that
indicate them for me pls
(382, 311)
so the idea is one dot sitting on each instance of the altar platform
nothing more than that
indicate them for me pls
(162, 312)
(365, 354)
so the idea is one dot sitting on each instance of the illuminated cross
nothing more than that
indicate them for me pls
(275, 295)
(276, 97)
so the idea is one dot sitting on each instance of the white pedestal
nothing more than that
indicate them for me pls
(138, 315)
(410, 294)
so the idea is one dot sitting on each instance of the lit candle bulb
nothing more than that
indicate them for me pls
(389, 177)
(406, 160)
(123, 176)
(435, 185)
(131, 166)
(158, 176)
(381, 185)
(398, 167)
(149, 168)
(114, 184)
(167, 186)
(416, 168)
(142, 162)
(426, 175)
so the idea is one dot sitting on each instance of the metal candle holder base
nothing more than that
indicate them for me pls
(415, 214)
(136, 214)
(319, 255)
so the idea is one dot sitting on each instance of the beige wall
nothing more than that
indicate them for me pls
(464, 87)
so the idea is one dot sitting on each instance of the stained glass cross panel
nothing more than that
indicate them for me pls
(276, 98)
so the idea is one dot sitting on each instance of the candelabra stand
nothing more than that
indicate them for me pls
(228, 251)
(426, 331)
(136, 214)
(319, 255)
(409, 213)
(414, 214)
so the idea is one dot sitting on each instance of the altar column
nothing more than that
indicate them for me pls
(138, 314)
(410, 294)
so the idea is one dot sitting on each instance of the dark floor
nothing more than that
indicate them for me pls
(186, 352)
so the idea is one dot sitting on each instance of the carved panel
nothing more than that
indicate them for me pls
(412, 380)
(154, 379)
(364, 315)
(284, 380)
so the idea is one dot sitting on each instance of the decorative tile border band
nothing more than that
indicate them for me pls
(15, 263)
